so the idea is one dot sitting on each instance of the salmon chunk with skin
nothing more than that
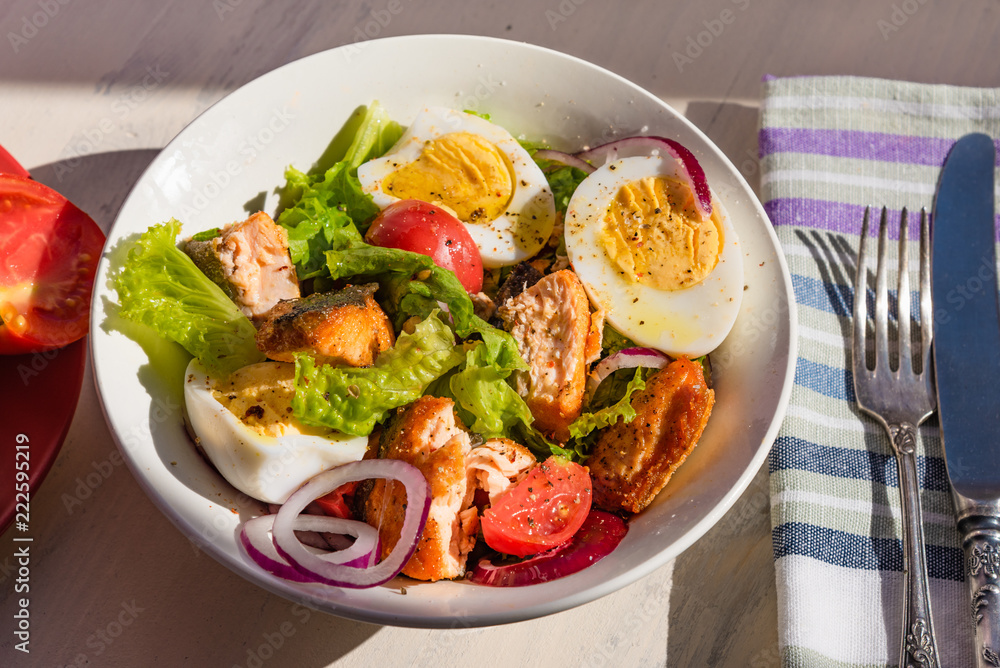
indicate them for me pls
(428, 435)
(632, 462)
(250, 262)
(551, 323)
(343, 327)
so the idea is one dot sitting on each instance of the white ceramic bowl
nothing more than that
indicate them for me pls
(234, 156)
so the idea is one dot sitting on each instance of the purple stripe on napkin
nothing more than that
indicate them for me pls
(833, 216)
(858, 144)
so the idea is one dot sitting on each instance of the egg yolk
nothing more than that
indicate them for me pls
(260, 395)
(655, 236)
(461, 171)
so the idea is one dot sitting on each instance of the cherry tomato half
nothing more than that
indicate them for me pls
(543, 510)
(50, 250)
(423, 228)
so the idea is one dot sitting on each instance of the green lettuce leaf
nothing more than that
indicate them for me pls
(376, 135)
(613, 341)
(324, 217)
(329, 210)
(352, 400)
(486, 402)
(563, 181)
(159, 286)
(585, 425)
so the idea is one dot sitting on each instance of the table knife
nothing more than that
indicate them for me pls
(967, 371)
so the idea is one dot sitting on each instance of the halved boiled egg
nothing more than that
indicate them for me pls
(246, 428)
(665, 276)
(475, 169)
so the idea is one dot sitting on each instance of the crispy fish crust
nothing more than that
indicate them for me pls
(249, 260)
(344, 327)
(632, 462)
(551, 322)
(428, 435)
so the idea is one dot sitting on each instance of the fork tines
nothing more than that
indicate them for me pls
(882, 361)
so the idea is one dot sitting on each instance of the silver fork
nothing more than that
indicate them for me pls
(900, 400)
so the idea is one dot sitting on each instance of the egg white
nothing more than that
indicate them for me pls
(264, 467)
(692, 321)
(521, 230)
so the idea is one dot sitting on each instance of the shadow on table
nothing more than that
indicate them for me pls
(97, 183)
(733, 128)
(733, 563)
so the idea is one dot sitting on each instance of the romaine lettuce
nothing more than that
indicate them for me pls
(159, 286)
(352, 400)
(330, 210)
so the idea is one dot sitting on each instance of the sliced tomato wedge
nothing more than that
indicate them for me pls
(8, 165)
(541, 511)
(50, 250)
(338, 502)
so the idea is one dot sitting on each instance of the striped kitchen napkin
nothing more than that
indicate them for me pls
(830, 146)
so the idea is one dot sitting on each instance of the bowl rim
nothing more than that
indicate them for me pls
(668, 553)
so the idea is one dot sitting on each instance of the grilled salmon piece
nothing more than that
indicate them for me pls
(551, 322)
(250, 262)
(343, 327)
(428, 435)
(497, 464)
(631, 463)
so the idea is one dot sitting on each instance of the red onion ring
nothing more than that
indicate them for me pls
(690, 169)
(418, 503)
(597, 538)
(260, 547)
(567, 159)
(627, 358)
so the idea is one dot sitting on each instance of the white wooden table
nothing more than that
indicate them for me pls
(88, 94)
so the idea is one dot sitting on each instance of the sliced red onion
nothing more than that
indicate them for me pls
(418, 502)
(597, 538)
(567, 159)
(690, 170)
(256, 540)
(627, 358)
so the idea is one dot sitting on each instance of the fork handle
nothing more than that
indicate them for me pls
(981, 544)
(918, 644)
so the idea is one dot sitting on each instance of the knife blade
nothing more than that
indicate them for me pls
(967, 370)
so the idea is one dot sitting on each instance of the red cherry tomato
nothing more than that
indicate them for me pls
(542, 511)
(423, 228)
(338, 502)
(50, 250)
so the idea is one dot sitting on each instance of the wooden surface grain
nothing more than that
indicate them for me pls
(88, 94)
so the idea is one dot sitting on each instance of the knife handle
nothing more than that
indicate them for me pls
(981, 545)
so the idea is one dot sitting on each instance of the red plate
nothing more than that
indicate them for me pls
(38, 395)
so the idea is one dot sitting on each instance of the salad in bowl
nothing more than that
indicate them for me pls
(444, 352)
